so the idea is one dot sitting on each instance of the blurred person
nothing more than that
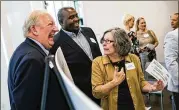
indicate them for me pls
(27, 67)
(117, 77)
(171, 58)
(147, 43)
(128, 22)
(80, 47)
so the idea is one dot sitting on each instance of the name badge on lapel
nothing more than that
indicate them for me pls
(92, 40)
(130, 66)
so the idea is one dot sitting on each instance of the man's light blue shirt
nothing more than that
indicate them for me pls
(81, 41)
(41, 46)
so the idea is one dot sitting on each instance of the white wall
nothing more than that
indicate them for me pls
(13, 14)
(102, 15)
(99, 15)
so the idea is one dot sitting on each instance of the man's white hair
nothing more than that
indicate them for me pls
(32, 19)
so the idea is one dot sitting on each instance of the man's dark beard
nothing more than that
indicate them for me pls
(72, 30)
(76, 31)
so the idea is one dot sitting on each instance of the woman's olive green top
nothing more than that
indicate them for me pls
(102, 73)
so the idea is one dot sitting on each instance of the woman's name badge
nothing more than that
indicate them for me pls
(130, 66)
(146, 35)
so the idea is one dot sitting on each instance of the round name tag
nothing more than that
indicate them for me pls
(146, 35)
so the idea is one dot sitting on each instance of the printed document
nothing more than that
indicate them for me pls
(158, 71)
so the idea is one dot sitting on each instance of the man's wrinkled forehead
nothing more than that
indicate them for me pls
(70, 9)
(46, 18)
(174, 16)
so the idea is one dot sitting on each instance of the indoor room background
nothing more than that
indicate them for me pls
(99, 15)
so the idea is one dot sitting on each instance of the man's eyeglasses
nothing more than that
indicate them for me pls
(106, 41)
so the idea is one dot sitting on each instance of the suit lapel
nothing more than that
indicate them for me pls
(33, 44)
(87, 36)
(70, 41)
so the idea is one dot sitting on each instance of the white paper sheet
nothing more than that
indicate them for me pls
(158, 71)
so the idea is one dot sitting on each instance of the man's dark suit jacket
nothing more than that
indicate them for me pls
(77, 60)
(25, 80)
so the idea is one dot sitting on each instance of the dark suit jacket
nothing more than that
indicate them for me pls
(25, 80)
(77, 60)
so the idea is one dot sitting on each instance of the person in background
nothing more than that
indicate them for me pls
(171, 58)
(79, 46)
(27, 67)
(128, 22)
(117, 77)
(147, 43)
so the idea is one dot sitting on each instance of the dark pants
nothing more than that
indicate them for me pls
(176, 99)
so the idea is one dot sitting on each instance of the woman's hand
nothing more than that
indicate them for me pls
(150, 46)
(117, 79)
(144, 49)
(118, 76)
(157, 86)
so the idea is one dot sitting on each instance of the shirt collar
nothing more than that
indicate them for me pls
(41, 46)
(176, 29)
(71, 33)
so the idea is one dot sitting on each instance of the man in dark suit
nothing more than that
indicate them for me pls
(27, 67)
(79, 46)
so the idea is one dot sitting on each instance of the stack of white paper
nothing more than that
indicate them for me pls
(158, 71)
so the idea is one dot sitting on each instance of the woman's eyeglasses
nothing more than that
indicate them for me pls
(106, 41)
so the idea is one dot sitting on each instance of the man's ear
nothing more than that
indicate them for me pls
(34, 31)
